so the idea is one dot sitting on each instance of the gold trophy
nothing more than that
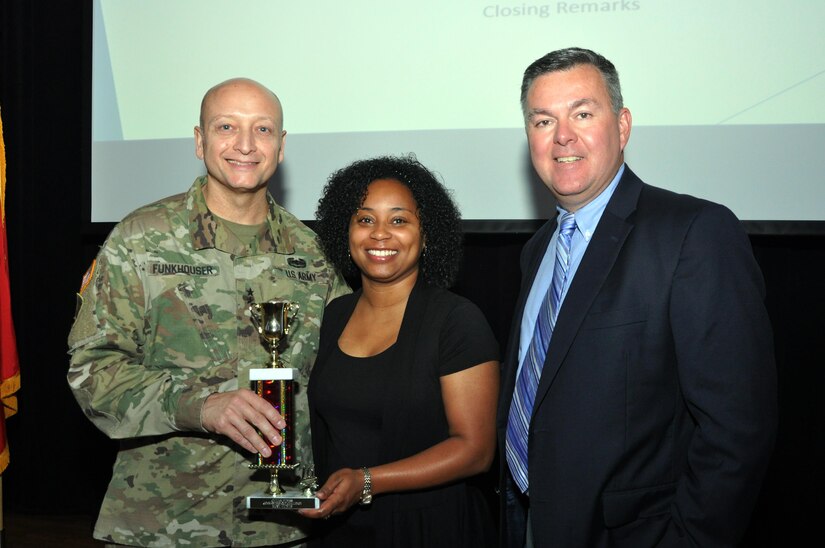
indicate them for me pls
(275, 384)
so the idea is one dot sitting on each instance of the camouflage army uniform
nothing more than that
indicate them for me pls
(163, 324)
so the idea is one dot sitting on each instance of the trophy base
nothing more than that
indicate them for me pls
(290, 500)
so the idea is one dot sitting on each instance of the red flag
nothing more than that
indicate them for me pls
(9, 364)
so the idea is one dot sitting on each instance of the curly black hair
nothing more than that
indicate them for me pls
(440, 219)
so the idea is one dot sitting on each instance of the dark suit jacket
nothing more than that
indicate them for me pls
(655, 414)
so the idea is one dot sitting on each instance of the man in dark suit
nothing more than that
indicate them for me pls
(638, 399)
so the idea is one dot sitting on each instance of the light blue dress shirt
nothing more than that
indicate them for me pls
(587, 218)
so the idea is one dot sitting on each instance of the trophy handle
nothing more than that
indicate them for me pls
(291, 312)
(255, 314)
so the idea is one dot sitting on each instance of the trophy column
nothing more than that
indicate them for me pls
(276, 385)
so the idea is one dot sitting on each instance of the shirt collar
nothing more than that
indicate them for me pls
(587, 218)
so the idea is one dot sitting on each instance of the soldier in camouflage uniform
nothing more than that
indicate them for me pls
(163, 342)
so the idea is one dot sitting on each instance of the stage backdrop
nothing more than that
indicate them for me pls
(725, 96)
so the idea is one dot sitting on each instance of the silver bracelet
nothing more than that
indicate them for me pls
(366, 492)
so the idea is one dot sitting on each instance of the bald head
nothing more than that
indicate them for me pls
(240, 139)
(240, 84)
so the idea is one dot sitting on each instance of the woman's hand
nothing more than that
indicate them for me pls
(341, 492)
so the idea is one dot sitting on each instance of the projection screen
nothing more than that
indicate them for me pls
(726, 97)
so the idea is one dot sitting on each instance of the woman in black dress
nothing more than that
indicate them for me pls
(403, 393)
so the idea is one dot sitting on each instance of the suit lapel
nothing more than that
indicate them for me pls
(598, 261)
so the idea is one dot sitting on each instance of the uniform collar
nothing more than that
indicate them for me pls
(207, 232)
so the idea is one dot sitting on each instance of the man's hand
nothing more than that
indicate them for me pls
(237, 415)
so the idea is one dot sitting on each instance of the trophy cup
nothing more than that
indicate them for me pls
(275, 384)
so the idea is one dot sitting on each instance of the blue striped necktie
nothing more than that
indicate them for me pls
(521, 408)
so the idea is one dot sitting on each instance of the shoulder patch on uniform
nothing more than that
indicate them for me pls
(172, 269)
(87, 277)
